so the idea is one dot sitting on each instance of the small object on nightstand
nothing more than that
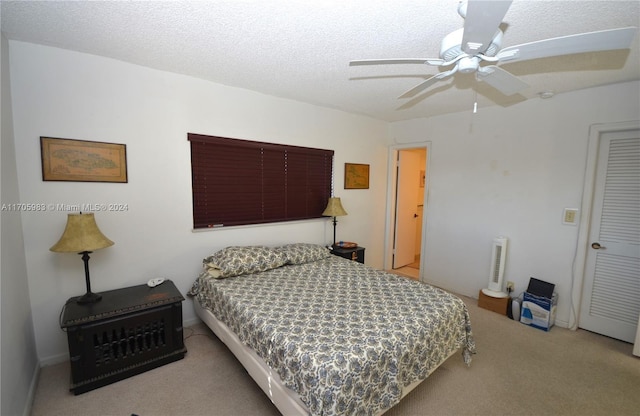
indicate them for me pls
(354, 253)
(345, 244)
(155, 282)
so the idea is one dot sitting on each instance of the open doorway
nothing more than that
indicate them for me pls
(408, 211)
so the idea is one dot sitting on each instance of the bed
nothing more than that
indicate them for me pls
(323, 335)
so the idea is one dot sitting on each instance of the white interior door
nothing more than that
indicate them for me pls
(409, 165)
(611, 293)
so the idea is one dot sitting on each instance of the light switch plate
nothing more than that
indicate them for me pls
(570, 216)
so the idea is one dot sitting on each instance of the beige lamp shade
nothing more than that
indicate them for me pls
(81, 234)
(334, 208)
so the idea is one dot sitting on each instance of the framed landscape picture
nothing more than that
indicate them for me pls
(83, 161)
(356, 176)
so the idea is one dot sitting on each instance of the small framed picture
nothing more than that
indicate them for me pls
(356, 176)
(83, 161)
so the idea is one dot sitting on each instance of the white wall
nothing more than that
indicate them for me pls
(511, 171)
(19, 360)
(58, 93)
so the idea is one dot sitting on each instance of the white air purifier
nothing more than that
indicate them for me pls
(496, 274)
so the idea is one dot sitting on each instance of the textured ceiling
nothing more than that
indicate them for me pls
(300, 49)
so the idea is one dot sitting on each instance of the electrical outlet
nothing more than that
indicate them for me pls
(510, 287)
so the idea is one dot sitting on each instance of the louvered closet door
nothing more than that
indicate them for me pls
(611, 297)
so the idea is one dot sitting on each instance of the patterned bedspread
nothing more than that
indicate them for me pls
(346, 337)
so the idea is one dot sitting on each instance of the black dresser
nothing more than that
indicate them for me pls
(129, 331)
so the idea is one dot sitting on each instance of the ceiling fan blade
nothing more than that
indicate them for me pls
(503, 81)
(428, 61)
(481, 24)
(428, 82)
(603, 40)
(420, 87)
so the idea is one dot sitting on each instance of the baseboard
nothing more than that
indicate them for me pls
(191, 322)
(31, 395)
(54, 359)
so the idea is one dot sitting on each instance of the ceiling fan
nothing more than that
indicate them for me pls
(466, 50)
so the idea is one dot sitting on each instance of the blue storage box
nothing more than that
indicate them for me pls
(539, 311)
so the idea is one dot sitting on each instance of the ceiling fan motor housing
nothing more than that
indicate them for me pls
(468, 64)
(451, 46)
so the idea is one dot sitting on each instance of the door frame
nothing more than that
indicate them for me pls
(392, 169)
(596, 131)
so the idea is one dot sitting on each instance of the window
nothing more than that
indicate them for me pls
(239, 182)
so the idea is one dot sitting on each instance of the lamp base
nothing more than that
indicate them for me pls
(89, 297)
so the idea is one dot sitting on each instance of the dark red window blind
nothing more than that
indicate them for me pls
(239, 182)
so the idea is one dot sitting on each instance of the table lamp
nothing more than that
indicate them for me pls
(82, 236)
(334, 209)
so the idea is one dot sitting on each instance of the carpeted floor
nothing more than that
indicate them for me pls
(518, 370)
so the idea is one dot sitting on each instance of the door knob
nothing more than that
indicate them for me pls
(597, 246)
(415, 215)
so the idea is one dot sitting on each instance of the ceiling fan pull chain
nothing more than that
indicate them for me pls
(475, 102)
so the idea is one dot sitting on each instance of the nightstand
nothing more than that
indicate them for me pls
(355, 253)
(129, 331)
